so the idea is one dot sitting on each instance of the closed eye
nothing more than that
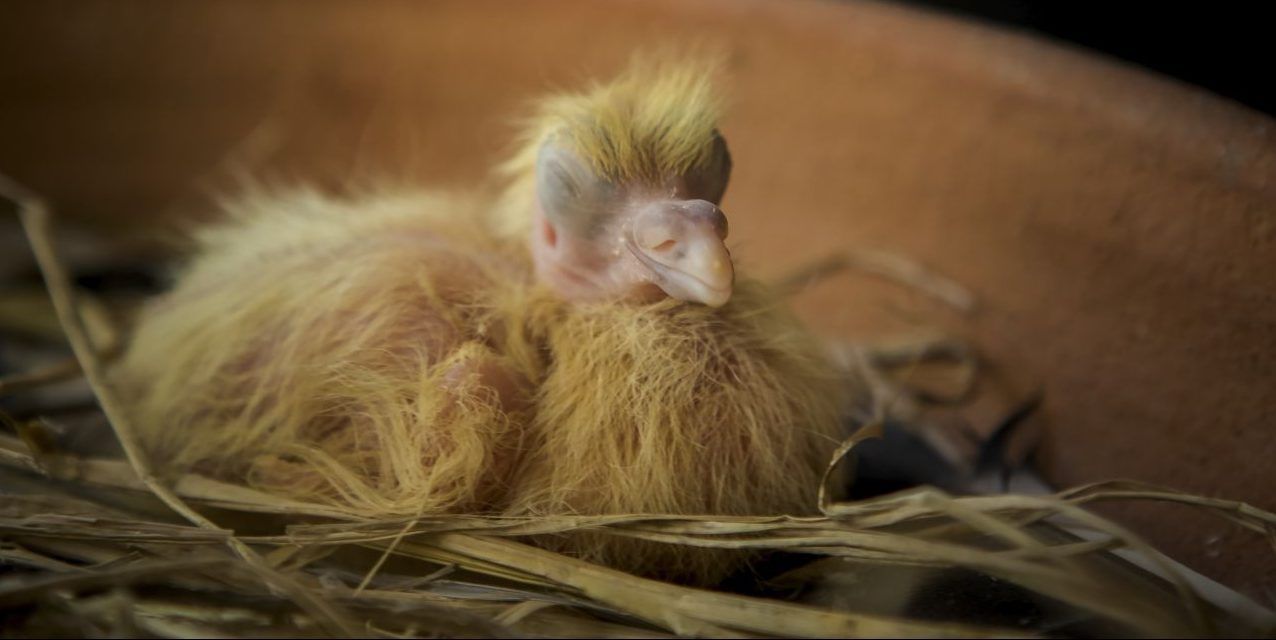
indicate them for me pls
(563, 183)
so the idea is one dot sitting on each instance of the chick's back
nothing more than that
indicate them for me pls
(318, 347)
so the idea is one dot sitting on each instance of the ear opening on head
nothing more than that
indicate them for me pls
(549, 234)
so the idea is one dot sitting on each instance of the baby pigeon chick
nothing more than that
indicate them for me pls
(577, 345)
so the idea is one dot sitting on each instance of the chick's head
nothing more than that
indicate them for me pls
(628, 177)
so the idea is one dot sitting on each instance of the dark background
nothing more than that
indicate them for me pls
(1225, 47)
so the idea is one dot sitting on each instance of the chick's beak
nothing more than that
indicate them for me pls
(680, 243)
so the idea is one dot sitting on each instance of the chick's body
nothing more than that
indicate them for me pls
(398, 354)
(314, 345)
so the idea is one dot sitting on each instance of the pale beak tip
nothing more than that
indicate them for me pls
(718, 301)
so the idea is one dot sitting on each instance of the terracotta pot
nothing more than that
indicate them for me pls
(1120, 228)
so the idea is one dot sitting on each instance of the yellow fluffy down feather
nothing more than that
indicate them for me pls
(305, 346)
(326, 349)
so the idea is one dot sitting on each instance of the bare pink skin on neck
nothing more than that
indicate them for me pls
(589, 270)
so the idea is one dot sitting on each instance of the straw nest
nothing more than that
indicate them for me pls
(97, 545)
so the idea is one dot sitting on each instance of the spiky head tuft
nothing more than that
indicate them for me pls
(658, 118)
